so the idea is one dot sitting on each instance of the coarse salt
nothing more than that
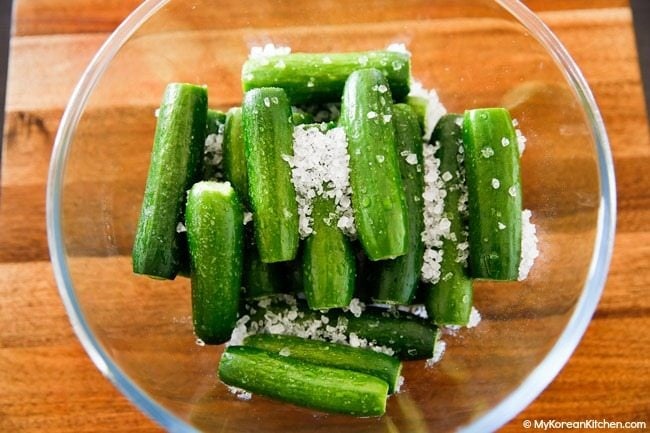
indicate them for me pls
(268, 50)
(434, 108)
(288, 320)
(438, 352)
(529, 251)
(435, 225)
(213, 152)
(474, 318)
(320, 168)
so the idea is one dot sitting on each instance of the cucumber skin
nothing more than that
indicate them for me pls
(268, 136)
(378, 197)
(332, 355)
(410, 337)
(328, 79)
(234, 155)
(302, 383)
(176, 163)
(494, 254)
(214, 221)
(215, 119)
(449, 301)
(328, 261)
(397, 279)
(260, 279)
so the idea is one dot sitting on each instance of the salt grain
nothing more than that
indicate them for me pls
(398, 48)
(487, 152)
(529, 251)
(438, 352)
(495, 183)
(241, 394)
(411, 158)
(474, 318)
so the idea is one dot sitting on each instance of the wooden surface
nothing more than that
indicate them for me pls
(47, 383)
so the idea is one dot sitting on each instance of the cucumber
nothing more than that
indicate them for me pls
(302, 383)
(176, 162)
(260, 279)
(320, 77)
(377, 193)
(333, 355)
(449, 300)
(268, 138)
(215, 121)
(397, 280)
(214, 221)
(409, 337)
(328, 260)
(234, 157)
(419, 106)
(300, 117)
(494, 188)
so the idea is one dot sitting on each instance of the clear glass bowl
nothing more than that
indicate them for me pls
(475, 53)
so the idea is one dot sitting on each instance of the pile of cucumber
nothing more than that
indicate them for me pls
(192, 223)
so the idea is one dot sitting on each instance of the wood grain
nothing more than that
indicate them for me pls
(49, 384)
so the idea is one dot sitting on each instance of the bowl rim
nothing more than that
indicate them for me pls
(527, 391)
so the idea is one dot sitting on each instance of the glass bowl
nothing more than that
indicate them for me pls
(475, 53)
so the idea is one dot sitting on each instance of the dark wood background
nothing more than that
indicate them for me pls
(47, 383)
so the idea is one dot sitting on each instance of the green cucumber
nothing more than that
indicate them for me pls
(176, 162)
(494, 188)
(419, 106)
(397, 280)
(300, 117)
(320, 77)
(302, 383)
(214, 221)
(409, 337)
(268, 139)
(378, 197)
(260, 279)
(449, 300)
(234, 156)
(328, 260)
(333, 355)
(215, 121)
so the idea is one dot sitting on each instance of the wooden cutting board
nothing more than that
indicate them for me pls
(47, 383)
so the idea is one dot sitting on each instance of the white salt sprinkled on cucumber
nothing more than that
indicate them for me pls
(320, 167)
(436, 226)
(434, 108)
